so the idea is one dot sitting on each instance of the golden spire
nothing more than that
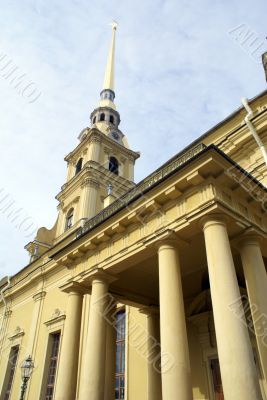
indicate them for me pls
(109, 74)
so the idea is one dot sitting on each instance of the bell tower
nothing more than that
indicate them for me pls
(101, 167)
(99, 170)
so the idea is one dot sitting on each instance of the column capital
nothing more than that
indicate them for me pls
(169, 239)
(95, 139)
(167, 244)
(90, 182)
(248, 239)
(213, 219)
(149, 310)
(98, 275)
(73, 287)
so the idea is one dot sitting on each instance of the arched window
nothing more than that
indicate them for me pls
(69, 219)
(94, 120)
(111, 119)
(102, 117)
(113, 165)
(79, 166)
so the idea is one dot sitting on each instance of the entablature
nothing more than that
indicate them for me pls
(95, 134)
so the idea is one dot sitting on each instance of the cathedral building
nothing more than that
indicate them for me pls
(148, 291)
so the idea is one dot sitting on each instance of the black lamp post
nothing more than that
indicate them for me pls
(26, 371)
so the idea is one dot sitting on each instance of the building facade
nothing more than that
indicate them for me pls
(150, 291)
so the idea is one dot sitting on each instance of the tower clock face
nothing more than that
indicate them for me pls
(115, 135)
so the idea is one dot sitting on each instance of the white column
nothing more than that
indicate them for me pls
(175, 372)
(154, 391)
(239, 377)
(256, 282)
(92, 384)
(68, 358)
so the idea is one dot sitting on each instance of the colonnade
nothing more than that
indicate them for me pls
(238, 371)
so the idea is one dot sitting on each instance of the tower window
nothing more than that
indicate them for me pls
(114, 165)
(79, 166)
(69, 219)
(102, 117)
(94, 120)
(111, 119)
(120, 355)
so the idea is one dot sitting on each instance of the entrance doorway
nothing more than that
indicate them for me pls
(216, 379)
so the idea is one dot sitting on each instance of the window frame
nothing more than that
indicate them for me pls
(10, 372)
(69, 217)
(47, 365)
(120, 374)
(113, 167)
(78, 166)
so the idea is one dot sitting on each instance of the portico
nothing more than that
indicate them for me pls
(150, 264)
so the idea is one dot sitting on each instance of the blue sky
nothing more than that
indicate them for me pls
(178, 72)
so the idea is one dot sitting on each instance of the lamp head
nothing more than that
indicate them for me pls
(27, 368)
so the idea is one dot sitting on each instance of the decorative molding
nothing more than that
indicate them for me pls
(107, 150)
(74, 287)
(39, 295)
(56, 317)
(71, 204)
(204, 323)
(83, 134)
(18, 333)
(60, 206)
(95, 139)
(85, 151)
(90, 182)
